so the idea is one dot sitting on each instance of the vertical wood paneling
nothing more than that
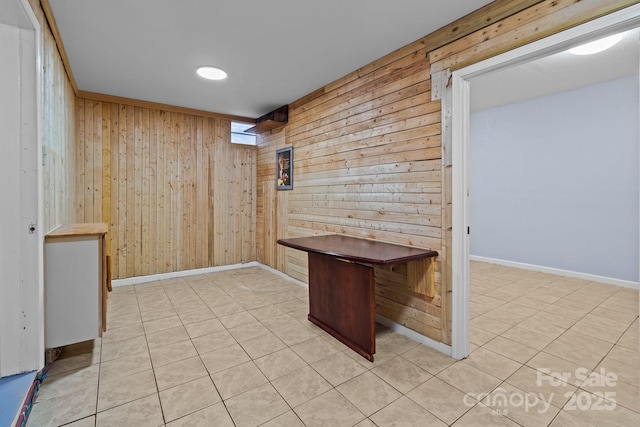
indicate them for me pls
(177, 194)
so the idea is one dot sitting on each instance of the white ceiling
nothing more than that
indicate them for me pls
(275, 51)
(556, 73)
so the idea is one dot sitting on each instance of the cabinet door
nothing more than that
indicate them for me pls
(72, 290)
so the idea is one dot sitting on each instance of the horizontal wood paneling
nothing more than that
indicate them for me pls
(177, 194)
(366, 164)
(368, 155)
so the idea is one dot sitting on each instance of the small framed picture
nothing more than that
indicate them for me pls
(284, 168)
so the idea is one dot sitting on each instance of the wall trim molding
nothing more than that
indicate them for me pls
(184, 273)
(416, 336)
(551, 270)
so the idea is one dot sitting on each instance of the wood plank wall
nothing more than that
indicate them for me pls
(58, 133)
(368, 156)
(367, 164)
(176, 192)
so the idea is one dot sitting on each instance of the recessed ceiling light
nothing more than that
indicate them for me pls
(211, 73)
(596, 46)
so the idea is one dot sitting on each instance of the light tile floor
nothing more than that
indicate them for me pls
(234, 348)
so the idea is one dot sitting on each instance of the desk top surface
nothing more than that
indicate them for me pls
(359, 250)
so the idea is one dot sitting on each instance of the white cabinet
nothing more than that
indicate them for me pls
(76, 282)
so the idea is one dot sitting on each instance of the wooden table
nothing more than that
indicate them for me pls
(342, 286)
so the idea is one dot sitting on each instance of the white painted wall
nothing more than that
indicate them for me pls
(554, 181)
(21, 307)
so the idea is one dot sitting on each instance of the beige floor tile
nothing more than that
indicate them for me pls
(613, 314)
(205, 327)
(68, 382)
(280, 363)
(224, 358)
(288, 419)
(368, 393)
(162, 324)
(606, 384)
(557, 367)
(123, 390)
(492, 363)
(479, 336)
(625, 355)
(172, 353)
(237, 319)
(266, 312)
(630, 339)
(166, 337)
(125, 366)
(122, 348)
(592, 410)
(581, 349)
(626, 372)
(156, 314)
(211, 342)
(481, 415)
(428, 359)
(176, 373)
(214, 415)
(442, 400)
(196, 316)
(557, 320)
(406, 413)
(506, 316)
(85, 422)
(125, 332)
(256, 406)
(510, 349)
(489, 324)
(338, 368)
(331, 409)
(237, 380)
(547, 387)
(315, 349)
(527, 337)
(144, 412)
(226, 309)
(468, 379)
(248, 331)
(568, 308)
(301, 385)
(398, 343)
(63, 409)
(401, 374)
(545, 329)
(262, 345)
(188, 398)
(600, 331)
(524, 407)
(295, 334)
(124, 320)
(77, 356)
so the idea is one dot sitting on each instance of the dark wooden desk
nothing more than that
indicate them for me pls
(342, 285)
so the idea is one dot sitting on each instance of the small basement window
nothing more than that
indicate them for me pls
(239, 136)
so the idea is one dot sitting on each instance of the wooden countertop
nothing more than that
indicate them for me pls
(85, 229)
(357, 249)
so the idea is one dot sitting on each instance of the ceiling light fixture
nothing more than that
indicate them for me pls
(596, 46)
(211, 73)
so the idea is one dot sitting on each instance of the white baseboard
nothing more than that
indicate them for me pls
(591, 277)
(164, 276)
(283, 275)
(410, 333)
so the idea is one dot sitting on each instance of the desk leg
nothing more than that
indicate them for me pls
(342, 301)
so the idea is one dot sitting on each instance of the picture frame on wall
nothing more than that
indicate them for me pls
(284, 168)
